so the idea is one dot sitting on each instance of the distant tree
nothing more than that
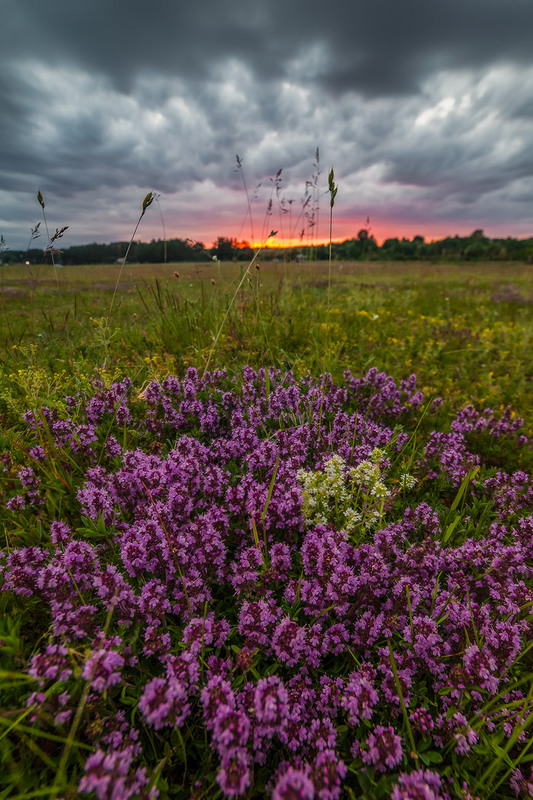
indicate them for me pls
(390, 248)
(224, 248)
(477, 247)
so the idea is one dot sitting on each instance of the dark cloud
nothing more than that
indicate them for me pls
(425, 109)
(379, 47)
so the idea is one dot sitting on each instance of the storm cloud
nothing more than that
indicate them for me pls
(425, 111)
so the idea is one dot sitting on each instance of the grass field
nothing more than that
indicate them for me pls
(465, 330)
(252, 579)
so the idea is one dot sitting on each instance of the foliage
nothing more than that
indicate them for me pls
(362, 247)
(252, 580)
(243, 585)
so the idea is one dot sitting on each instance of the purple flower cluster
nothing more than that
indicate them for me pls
(164, 702)
(110, 775)
(419, 785)
(186, 582)
(384, 748)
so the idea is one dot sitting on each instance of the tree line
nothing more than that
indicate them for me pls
(362, 247)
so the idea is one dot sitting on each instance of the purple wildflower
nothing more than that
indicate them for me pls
(418, 785)
(271, 703)
(37, 453)
(294, 784)
(233, 776)
(202, 632)
(164, 703)
(327, 774)
(421, 721)
(52, 665)
(465, 736)
(322, 734)
(119, 735)
(23, 569)
(481, 666)
(181, 553)
(73, 621)
(16, 503)
(288, 641)
(215, 694)
(62, 717)
(231, 728)
(523, 787)
(360, 696)
(384, 748)
(111, 777)
(257, 620)
(60, 533)
(186, 668)
(103, 669)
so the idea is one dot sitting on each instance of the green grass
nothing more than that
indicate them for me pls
(465, 330)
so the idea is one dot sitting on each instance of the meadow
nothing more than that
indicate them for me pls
(447, 323)
(266, 531)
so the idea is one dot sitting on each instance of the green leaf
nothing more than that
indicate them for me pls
(503, 755)
(471, 474)
(92, 529)
(365, 781)
(451, 527)
(270, 490)
(342, 729)
(256, 535)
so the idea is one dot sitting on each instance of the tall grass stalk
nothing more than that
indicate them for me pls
(245, 274)
(34, 234)
(245, 187)
(316, 200)
(147, 202)
(50, 248)
(332, 188)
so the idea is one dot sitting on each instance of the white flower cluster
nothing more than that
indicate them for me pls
(407, 481)
(348, 498)
(325, 492)
(367, 474)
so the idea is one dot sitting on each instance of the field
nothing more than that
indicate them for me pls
(465, 330)
(228, 574)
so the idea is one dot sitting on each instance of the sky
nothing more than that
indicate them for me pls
(424, 110)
